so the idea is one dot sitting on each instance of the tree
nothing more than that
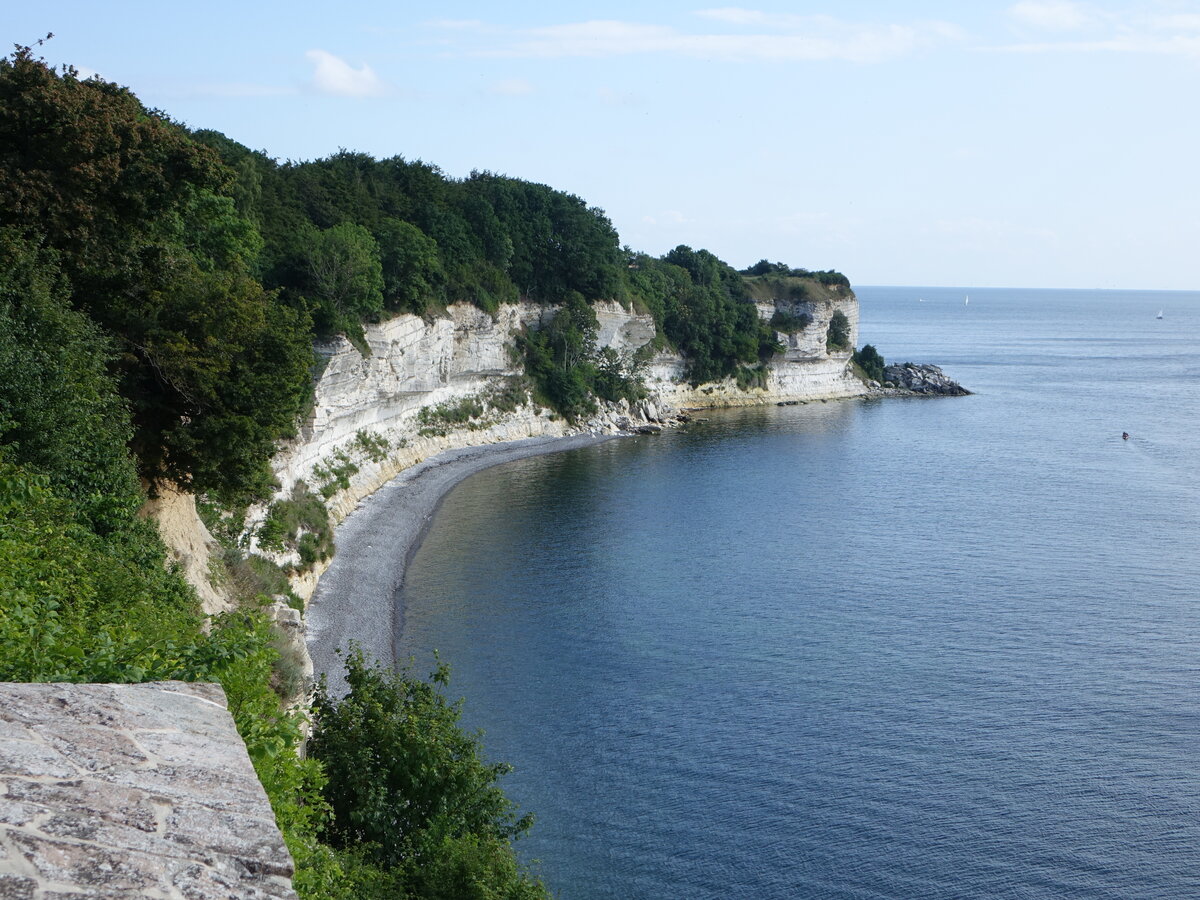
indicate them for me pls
(837, 337)
(60, 413)
(404, 778)
(155, 252)
(345, 276)
(870, 361)
(411, 268)
(84, 163)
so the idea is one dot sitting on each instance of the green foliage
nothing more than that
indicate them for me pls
(440, 419)
(255, 578)
(790, 323)
(411, 266)
(147, 232)
(751, 377)
(409, 789)
(60, 413)
(827, 277)
(837, 337)
(105, 179)
(703, 309)
(374, 446)
(486, 240)
(560, 358)
(343, 276)
(333, 475)
(300, 523)
(236, 368)
(617, 376)
(509, 396)
(871, 363)
(76, 606)
(224, 523)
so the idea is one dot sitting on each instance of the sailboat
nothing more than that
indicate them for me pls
(967, 300)
(1159, 316)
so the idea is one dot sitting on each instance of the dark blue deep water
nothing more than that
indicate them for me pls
(916, 648)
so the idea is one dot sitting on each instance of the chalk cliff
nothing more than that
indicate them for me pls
(368, 410)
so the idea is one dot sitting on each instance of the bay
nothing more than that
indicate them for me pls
(860, 649)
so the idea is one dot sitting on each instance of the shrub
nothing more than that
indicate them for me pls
(510, 396)
(871, 363)
(374, 446)
(300, 524)
(838, 335)
(437, 420)
(334, 474)
(410, 789)
(790, 323)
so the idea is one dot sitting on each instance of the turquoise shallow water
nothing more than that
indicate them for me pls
(915, 648)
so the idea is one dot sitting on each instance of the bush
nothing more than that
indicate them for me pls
(838, 335)
(374, 446)
(410, 790)
(437, 420)
(510, 396)
(790, 323)
(299, 524)
(334, 474)
(871, 363)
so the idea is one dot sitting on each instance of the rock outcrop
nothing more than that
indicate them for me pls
(190, 546)
(922, 379)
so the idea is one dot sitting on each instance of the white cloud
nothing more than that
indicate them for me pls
(1106, 31)
(789, 38)
(333, 75)
(511, 87)
(1052, 15)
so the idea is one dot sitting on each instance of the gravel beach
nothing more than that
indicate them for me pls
(355, 598)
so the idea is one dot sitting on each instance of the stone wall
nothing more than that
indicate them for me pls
(140, 790)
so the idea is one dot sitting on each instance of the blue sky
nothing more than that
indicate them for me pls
(1039, 143)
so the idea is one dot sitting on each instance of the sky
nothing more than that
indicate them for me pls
(1037, 143)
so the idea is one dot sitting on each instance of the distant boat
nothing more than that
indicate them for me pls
(967, 300)
(1159, 316)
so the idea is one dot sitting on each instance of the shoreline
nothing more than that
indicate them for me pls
(377, 541)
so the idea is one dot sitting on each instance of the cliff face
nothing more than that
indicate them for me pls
(420, 365)
(805, 371)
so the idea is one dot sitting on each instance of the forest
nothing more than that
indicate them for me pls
(160, 292)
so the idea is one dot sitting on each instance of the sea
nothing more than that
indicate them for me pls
(900, 648)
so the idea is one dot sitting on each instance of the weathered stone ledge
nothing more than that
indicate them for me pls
(137, 790)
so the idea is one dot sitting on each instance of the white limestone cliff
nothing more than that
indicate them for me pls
(417, 365)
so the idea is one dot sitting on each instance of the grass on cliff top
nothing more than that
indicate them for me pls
(766, 288)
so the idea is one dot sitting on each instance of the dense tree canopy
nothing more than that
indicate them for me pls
(145, 228)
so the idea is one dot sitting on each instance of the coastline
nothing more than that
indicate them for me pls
(377, 540)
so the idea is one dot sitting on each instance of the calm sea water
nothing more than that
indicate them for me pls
(917, 648)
